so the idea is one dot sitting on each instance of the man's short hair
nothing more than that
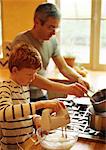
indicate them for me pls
(46, 10)
(24, 56)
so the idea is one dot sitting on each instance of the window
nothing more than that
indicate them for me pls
(102, 58)
(75, 29)
(83, 31)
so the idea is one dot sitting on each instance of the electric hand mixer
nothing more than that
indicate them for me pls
(51, 122)
(57, 139)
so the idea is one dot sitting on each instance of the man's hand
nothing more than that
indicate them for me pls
(82, 81)
(77, 90)
(37, 121)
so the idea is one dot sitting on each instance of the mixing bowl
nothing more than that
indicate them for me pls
(100, 101)
(58, 139)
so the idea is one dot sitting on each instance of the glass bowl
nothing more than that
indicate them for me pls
(58, 139)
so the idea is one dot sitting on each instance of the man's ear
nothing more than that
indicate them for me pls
(14, 70)
(37, 21)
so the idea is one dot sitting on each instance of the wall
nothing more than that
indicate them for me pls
(17, 16)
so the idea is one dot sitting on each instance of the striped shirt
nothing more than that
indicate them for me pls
(16, 124)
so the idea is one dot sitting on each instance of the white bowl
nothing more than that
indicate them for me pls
(54, 140)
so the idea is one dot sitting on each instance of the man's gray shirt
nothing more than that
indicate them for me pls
(47, 49)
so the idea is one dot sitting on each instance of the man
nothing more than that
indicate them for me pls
(42, 37)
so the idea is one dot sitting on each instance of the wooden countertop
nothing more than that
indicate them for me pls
(88, 145)
(82, 145)
(96, 78)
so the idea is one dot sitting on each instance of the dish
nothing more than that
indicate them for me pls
(100, 95)
(57, 139)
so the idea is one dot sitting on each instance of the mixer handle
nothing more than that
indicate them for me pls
(49, 111)
(61, 104)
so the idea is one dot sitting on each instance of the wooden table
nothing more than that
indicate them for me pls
(88, 145)
(82, 145)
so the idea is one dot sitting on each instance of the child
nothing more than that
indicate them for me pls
(16, 111)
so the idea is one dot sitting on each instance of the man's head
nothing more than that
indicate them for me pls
(24, 61)
(46, 20)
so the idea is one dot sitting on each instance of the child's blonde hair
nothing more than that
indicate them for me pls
(24, 56)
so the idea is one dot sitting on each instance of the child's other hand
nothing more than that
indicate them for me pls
(37, 121)
(54, 104)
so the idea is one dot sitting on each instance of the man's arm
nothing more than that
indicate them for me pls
(68, 71)
(46, 84)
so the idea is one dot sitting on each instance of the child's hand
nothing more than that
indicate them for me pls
(54, 104)
(37, 121)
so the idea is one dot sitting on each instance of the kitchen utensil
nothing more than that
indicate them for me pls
(100, 101)
(55, 141)
(91, 99)
(97, 121)
(83, 89)
(99, 95)
(100, 106)
(50, 121)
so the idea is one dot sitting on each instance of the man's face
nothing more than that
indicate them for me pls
(48, 29)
